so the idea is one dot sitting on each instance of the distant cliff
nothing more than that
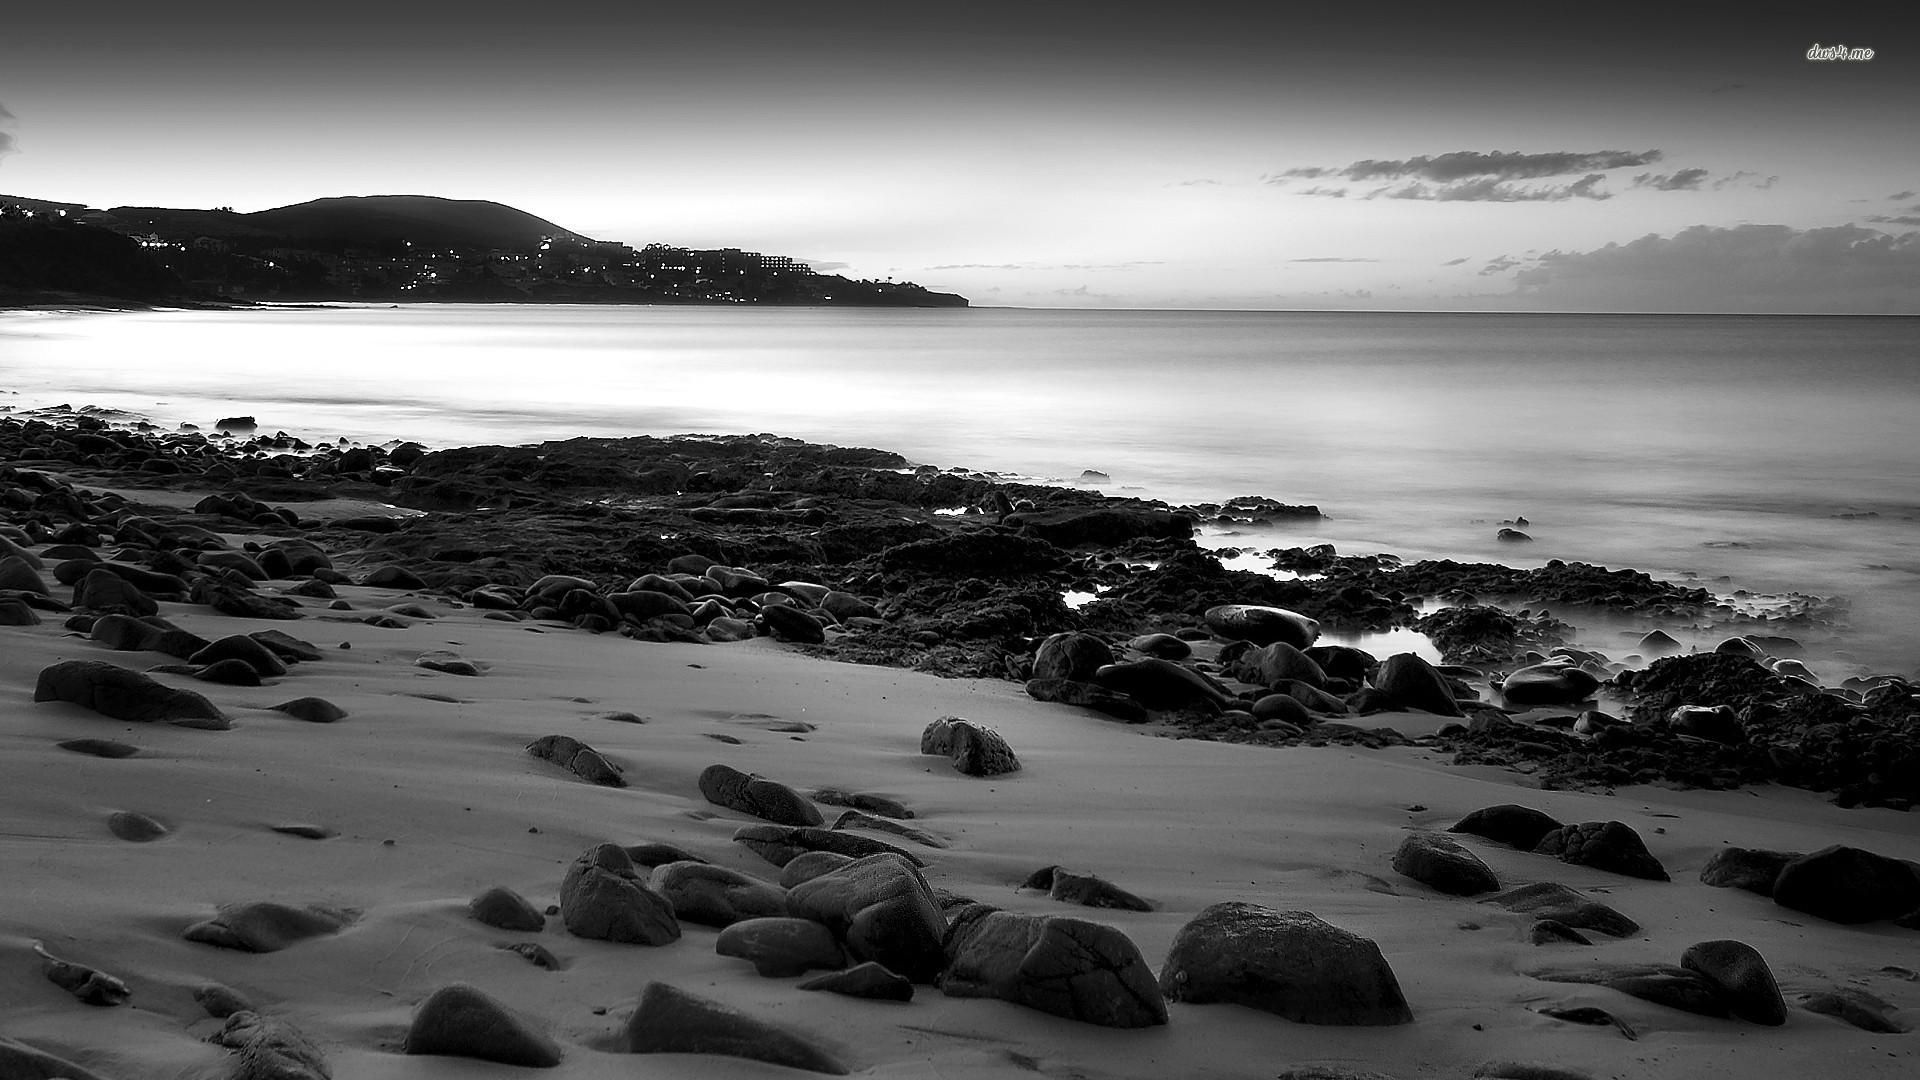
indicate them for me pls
(398, 248)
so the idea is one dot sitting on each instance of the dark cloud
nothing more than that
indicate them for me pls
(1899, 195)
(1499, 265)
(1499, 165)
(1684, 180)
(1747, 268)
(1898, 219)
(1490, 189)
(1455, 262)
(1332, 259)
(1745, 178)
(1325, 192)
(1311, 172)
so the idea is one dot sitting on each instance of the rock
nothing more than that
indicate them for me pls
(715, 895)
(502, 907)
(1508, 823)
(1275, 665)
(1283, 707)
(1552, 900)
(105, 748)
(1064, 966)
(220, 1001)
(1751, 869)
(1071, 655)
(451, 663)
(1743, 977)
(862, 800)
(1074, 526)
(1086, 890)
(869, 980)
(135, 827)
(659, 854)
(788, 623)
(14, 612)
(1289, 963)
(1412, 683)
(1848, 885)
(460, 1021)
(1162, 684)
(105, 591)
(288, 648)
(782, 947)
(245, 649)
(728, 628)
(1657, 643)
(578, 758)
(1086, 695)
(1444, 864)
(750, 793)
(976, 750)
(117, 692)
(1603, 845)
(780, 844)
(228, 673)
(269, 1048)
(1857, 1007)
(1673, 987)
(1548, 684)
(123, 633)
(1717, 723)
(265, 926)
(811, 865)
(17, 575)
(1512, 536)
(602, 897)
(393, 577)
(90, 986)
(1553, 932)
(672, 1021)
(1164, 646)
(1261, 625)
(858, 819)
(18, 1061)
(882, 909)
(311, 709)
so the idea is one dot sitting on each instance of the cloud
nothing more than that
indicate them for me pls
(1332, 259)
(1499, 265)
(1684, 180)
(1746, 268)
(1898, 219)
(1048, 266)
(1311, 172)
(1490, 189)
(8, 145)
(1899, 195)
(1727, 88)
(1749, 179)
(1202, 182)
(1455, 262)
(1499, 165)
(1324, 192)
(822, 267)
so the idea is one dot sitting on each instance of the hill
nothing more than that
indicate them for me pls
(421, 219)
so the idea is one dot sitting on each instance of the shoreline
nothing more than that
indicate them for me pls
(455, 668)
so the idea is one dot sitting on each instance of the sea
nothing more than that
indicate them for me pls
(1774, 460)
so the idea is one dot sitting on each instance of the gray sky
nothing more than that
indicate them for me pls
(1633, 157)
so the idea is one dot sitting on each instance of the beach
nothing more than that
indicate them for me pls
(447, 655)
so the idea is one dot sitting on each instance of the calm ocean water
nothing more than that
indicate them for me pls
(1781, 453)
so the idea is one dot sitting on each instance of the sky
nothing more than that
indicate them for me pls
(1491, 156)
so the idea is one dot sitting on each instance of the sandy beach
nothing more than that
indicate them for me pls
(423, 796)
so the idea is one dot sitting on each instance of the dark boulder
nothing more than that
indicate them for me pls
(672, 1021)
(1289, 963)
(1261, 625)
(976, 750)
(1751, 869)
(1848, 885)
(780, 947)
(1088, 696)
(1603, 845)
(116, 692)
(1162, 684)
(603, 897)
(1444, 864)
(1508, 823)
(716, 895)
(1548, 684)
(1070, 655)
(1743, 977)
(750, 793)
(1570, 907)
(460, 1021)
(1411, 683)
(1064, 966)
(503, 908)
(882, 909)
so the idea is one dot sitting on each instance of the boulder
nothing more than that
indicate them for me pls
(1087, 890)
(602, 897)
(1604, 845)
(1289, 963)
(1062, 691)
(1508, 823)
(1261, 625)
(1070, 655)
(1752, 869)
(1855, 1006)
(577, 758)
(1716, 723)
(882, 909)
(1444, 864)
(1056, 964)
(1548, 684)
(976, 750)
(269, 1048)
(1743, 977)
(811, 865)
(788, 623)
(1162, 684)
(313, 710)
(265, 926)
(460, 1021)
(1276, 664)
(781, 844)
(1848, 885)
(1564, 905)
(715, 895)
(1411, 683)
(17, 575)
(16, 612)
(869, 980)
(503, 908)
(245, 649)
(104, 591)
(117, 692)
(781, 947)
(755, 795)
(1164, 646)
(672, 1021)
